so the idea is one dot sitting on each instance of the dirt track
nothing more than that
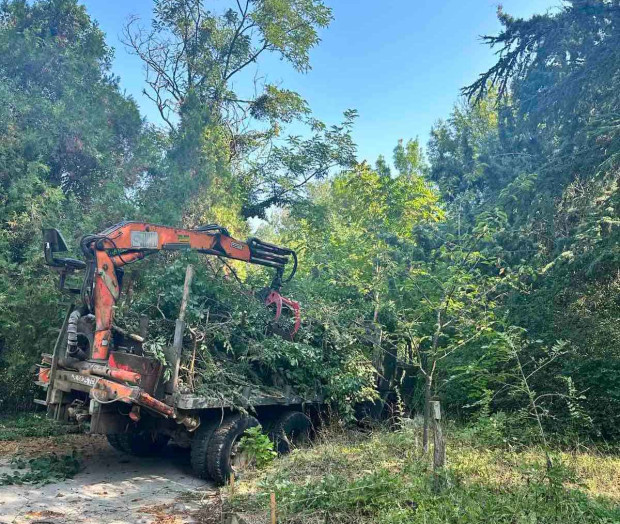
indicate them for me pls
(112, 488)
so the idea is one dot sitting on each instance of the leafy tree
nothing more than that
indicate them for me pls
(451, 296)
(408, 158)
(70, 146)
(190, 49)
(356, 237)
(353, 230)
(224, 139)
(547, 159)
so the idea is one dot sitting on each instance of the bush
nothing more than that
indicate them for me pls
(258, 445)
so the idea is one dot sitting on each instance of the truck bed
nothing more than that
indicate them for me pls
(249, 397)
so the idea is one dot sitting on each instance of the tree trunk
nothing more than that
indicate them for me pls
(428, 383)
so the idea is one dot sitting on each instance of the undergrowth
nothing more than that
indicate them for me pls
(258, 445)
(15, 427)
(384, 477)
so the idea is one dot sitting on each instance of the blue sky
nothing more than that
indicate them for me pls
(400, 63)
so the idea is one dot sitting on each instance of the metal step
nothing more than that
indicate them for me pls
(42, 384)
(40, 401)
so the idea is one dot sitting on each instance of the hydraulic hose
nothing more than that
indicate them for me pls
(72, 336)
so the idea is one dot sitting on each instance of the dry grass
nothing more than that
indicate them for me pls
(355, 477)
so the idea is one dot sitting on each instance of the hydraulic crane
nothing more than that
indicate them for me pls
(106, 253)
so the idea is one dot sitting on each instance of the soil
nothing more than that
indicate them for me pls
(112, 488)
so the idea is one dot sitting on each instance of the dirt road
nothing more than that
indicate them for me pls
(112, 488)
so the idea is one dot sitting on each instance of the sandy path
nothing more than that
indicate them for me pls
(112, 488)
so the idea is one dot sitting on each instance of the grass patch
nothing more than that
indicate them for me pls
(41, 470)
(15, 427)
(385, 478)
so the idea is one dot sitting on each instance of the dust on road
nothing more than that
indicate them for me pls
(112, 488)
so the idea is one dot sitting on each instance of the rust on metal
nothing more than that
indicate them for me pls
(148, 369)
(146, 400)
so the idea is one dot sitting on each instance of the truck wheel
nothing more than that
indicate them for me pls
(200, 443)
(291, 429)
(223, 454)
(142, 444)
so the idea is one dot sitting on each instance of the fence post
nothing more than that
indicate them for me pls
(273, 508)
(439, 455)
(439, 451)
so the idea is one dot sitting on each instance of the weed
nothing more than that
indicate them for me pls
(355, 478)
(258, 445)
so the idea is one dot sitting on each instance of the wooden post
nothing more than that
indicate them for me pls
(144, 326)
(439, 454)
(173, 355)
(273, 508)
(439, 451)
(189, 276)
(232, 484)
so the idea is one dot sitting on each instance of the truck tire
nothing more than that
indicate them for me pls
(222, 453)
(141, 444)
(290, 429)
(386, 410)
(200, 443)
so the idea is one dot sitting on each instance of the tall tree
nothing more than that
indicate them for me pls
(226, 130)
(71, 147)
(552, 167)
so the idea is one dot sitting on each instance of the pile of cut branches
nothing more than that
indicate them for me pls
(230, 344)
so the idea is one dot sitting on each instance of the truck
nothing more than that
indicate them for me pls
(98, 374)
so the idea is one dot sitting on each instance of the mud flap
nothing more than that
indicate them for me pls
(106, 419)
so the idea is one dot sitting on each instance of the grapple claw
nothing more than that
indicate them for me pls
(274, 298)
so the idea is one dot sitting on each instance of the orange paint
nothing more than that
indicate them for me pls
(44, 375)
(107, 289)
(107, 390)
(125, 376)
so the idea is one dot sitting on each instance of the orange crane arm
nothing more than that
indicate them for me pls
(127, 242)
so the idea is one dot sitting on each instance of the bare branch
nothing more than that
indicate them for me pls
(252, 58)
(238, 31)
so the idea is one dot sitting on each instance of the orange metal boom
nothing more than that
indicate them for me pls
(130, 241)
